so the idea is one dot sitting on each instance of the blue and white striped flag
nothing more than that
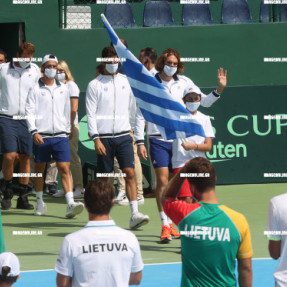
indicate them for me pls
(155, 103)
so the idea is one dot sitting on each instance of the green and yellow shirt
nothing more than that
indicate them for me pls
(212, 237)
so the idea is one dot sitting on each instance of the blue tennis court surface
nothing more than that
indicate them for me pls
(156, 275)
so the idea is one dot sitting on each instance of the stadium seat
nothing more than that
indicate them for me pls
(158, 13)
(235, 12)
(120, 15)
(196, 14)
(265, 9)
(283, 12)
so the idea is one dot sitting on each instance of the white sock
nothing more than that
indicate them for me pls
(134, 206)
(169, 220)
(39, 196)
(163, 218)
(69, 197)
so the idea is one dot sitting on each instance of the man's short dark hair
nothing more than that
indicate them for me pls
(7, 279)
(151, 53)
(108, 52)
(3, 53)
(99, 197)
(204, 166)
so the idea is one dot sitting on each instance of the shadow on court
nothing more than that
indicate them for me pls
(154, 275)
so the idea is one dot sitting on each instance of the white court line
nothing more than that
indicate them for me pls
(144, 264)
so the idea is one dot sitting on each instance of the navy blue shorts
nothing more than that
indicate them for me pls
(160, 153)
(15, 137)
(121, 148)
(58, 148)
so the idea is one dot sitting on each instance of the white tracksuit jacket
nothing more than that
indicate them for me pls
(49, 113)
(110, 104)
(14, 88)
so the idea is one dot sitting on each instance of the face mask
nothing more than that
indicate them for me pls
(169, 71)
(24, 64)
(192, 107)
(50, 73)
(112, 68)
(60, 77)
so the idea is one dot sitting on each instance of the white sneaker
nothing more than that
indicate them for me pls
(60, 193)
(121, 196)
(138, 219)
(41, 208)
(124, 201)
(79, 193)
(140, 199)
(74, 209)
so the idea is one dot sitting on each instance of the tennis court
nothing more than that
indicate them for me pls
(163, 268)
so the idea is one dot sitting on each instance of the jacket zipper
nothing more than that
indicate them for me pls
(52, 96)
(114, 105)
(53, 111)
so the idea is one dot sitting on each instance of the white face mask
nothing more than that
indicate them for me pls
(169, 71)
(50, 73)
(24, 64)
(60, 77)
(192, 106)
(112, 68)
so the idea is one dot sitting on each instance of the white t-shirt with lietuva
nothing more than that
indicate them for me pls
(100, 254)
(277, 229)
(179, 155)
(74, 92)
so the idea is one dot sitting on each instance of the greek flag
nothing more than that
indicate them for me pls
(156, 104)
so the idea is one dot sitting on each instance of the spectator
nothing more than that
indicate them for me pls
(16, 79)
(212, 235)
(48, 116)
(9, 269)
(141, 56)
(149, 60)
(277, 234)
(100, 254)
(51, 178)
(3, 57)
(109, 127)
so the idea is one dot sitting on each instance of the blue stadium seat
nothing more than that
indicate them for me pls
(235, 12)
(265, 9)
(283, 12)
(198, 14)
(158, 13)
(120, 15)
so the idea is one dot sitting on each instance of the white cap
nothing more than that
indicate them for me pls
(191, 89)
(10, 260)
(48, 58)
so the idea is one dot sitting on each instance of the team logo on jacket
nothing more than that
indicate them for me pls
(43, 94)
(105, 89)
(123, 87)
